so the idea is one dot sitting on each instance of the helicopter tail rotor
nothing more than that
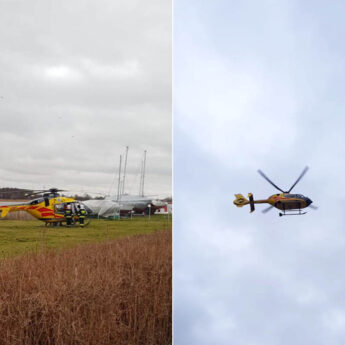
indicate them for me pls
(251, 202)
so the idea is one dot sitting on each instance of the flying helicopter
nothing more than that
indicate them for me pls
(49, 207)
(290, 204)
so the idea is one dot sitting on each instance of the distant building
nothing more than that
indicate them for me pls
(167, 209)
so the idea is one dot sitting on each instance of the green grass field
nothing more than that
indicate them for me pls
(18, 237)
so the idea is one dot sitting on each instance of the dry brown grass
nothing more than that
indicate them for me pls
(117, 292)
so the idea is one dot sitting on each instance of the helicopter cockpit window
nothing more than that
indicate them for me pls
(290, 195)
(300, 196)
(36, 201)
(60, 208)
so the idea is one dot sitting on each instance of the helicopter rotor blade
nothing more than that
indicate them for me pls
(299, 178)
(268, 180)
(34, 193)
(12, 193)
(41, 191)
(18, 191)
(269, 208)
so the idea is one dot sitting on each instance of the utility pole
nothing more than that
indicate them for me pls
(124, 172)
(119, 181)
(149, 206)
(143, 179)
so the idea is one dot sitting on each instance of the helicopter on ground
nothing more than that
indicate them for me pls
(290, 204)
(49, 207)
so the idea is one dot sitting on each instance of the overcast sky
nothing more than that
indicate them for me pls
(258, 85)
(80, 80)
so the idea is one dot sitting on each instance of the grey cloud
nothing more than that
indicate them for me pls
(80, 81)
(245, 278)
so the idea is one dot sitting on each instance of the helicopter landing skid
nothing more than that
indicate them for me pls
(77, 225)
(291, 214)
(73, 225)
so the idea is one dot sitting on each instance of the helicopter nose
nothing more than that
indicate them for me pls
(308, 201)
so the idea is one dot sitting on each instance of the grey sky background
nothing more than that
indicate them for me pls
(80, 80)
(258, 85)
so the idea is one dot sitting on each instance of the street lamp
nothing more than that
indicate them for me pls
(149, 206)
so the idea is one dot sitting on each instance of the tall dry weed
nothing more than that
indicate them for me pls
(118, 292)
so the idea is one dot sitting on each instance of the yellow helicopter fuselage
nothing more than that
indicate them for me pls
(286, 201)
(283, 201)
(49, 210)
